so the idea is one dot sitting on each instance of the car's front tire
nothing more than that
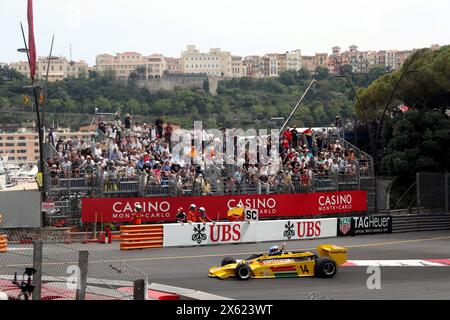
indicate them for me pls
(242, 272)
(325, 268)
(227, 260)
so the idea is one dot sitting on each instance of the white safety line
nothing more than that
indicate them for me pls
(397, 263)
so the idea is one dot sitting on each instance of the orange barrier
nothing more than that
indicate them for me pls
(141, 236)
(3, 243)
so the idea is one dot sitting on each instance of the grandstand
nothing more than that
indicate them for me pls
(140, 163)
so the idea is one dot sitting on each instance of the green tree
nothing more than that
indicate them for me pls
(288, 77)
(417, 141)
(321, 73)
(303, 74)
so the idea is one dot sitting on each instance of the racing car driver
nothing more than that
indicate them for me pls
(275, 251)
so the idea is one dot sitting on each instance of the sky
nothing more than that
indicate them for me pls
(244, 27)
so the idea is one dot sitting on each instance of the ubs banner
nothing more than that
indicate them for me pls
(163, 209)
(186, 234)
(364, 225)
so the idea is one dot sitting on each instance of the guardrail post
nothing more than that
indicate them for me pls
(83, 265)
(139, 289)
(418, 191)
(446, 191)
(37, 265)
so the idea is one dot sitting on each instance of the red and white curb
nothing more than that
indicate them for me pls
(398, 263)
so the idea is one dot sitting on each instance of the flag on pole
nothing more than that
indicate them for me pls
(31, 43)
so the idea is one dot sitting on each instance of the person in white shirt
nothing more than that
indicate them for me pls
(130, 170)
(152, 133)
(97, 150)
(137, 130)
(66, 166)
(145, 131)
(53, 138)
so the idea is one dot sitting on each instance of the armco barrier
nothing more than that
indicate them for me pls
(141, 236)
(243, 232)
(3, 243)
(413, 222)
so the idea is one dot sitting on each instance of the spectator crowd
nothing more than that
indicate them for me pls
(124, 150)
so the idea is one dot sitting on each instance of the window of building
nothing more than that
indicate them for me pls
(21, 151)
(12, 158)
(9, 138)
(10, 144)
(11, 151)
(21, 144)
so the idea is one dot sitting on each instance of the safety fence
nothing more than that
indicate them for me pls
(140, 184)
(432, 191)
(63, 270)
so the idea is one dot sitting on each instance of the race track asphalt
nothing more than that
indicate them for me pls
(188, 268)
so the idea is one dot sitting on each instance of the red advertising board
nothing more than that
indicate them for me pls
(163, 209)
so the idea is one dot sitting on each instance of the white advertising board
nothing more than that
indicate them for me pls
(243, 232)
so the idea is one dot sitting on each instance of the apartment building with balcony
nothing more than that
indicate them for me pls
(215, 63)
(60, 68)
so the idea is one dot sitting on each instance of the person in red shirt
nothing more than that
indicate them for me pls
(137, 215)
(192, 215)
(285, 143)
(203, 217)
(288, 134)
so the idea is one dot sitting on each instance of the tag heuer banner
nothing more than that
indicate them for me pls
(364, 225)
(345, 227)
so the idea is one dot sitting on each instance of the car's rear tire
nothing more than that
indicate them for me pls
(227, 260)
(242, 272)
(325, 268)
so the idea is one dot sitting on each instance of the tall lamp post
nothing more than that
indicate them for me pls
(38, 118)
(32, 65)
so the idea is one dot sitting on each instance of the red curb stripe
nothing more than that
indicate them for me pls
(158, 295)
(443, 261)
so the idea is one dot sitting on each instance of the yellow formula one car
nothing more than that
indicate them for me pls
(279, 263)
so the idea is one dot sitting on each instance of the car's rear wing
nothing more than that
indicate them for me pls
(338, 254)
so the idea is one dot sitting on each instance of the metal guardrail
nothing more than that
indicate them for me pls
(140, 185)
(414, 223)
